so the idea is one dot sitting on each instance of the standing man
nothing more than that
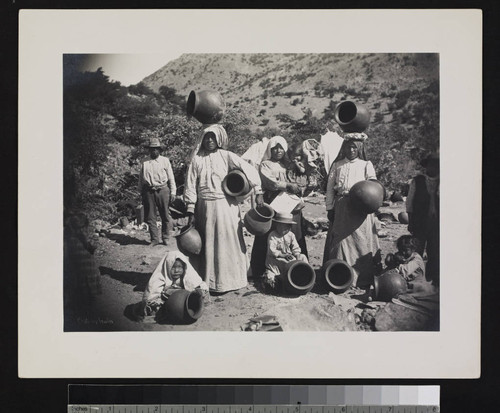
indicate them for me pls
(422, 205)
(154, 181)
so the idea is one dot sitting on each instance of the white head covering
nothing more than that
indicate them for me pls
(220, 137)
(162, 276)
(275, 140)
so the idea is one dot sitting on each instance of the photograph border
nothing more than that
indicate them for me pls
(454, 352)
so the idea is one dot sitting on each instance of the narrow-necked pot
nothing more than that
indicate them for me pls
(367, 196)
(351, 116)
(258, 220)
(389, 285)
(338, 275)
(206, 106)
(299, 277)
(184, 307)
(189, 240)
(236, 184)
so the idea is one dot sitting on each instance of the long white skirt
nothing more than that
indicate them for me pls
(224, 265)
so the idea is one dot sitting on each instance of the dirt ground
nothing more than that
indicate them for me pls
(126, 261)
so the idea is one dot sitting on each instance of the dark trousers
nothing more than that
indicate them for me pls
(152, 199)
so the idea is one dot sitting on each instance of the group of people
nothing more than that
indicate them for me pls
(223, 264)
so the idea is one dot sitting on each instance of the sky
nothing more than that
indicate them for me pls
(128, 69)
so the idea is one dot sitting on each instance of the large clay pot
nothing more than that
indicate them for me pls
(403, 217)
(206, 106)
(189, 240)
(367, 196)
(397, 196)
(338, 275)
(258, 220)
(388, 285)
(299, 277)
(236, 184)
(351, 116)
(184, 306)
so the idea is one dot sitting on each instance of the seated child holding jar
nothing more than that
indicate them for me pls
(282, 247)
(409, 263)
(174, 272)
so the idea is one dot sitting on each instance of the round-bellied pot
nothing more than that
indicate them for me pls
(397, 197)
(299, 277)
(236, 184)
(184, 306)
(189, 240)
(367, 196)
(403, 217)
(338, 275)
(206, 106)
(351, 116)
(258, 220)
(389, 285)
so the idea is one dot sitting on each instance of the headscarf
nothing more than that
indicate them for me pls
(162, 276)
(254, 154)
(275, 140)
(220, 137)
(359, 141)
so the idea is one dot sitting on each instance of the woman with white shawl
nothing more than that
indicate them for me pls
(273, 174)
(352, 236)
(224, 264)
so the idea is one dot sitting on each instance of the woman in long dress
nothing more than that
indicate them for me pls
(273, 174)
(352, 236)
(224, 263)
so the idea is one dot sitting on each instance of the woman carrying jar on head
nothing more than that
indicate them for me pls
(224, 264)
(352, 236)
(273, 174)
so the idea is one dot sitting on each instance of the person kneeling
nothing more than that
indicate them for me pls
(174, 272)
(282, 247)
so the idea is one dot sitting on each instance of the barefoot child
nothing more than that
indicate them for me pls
(408, 262)
(282, 247)
(174, 272)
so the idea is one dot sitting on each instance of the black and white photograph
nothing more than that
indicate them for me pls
(251, 192)
(188, 190)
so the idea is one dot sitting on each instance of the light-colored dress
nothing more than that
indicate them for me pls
(413, 268)
(274, 179)
(224, 265)
(281, 245)
(353, 236)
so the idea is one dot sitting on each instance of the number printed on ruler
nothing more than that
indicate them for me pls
(241, 408)
(198, 408)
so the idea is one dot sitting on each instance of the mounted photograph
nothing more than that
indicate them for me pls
(251, 192)
(186, 188)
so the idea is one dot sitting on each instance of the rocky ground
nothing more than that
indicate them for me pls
(126, 262)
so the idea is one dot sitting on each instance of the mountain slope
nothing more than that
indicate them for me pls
(266, 85)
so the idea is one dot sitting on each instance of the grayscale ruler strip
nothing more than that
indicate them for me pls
(249, 408)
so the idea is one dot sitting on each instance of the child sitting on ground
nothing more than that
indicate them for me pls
(408, 262)
(174, 272)
(282, 247)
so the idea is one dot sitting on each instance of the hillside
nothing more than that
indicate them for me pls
(267, 85)
(294, 95)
